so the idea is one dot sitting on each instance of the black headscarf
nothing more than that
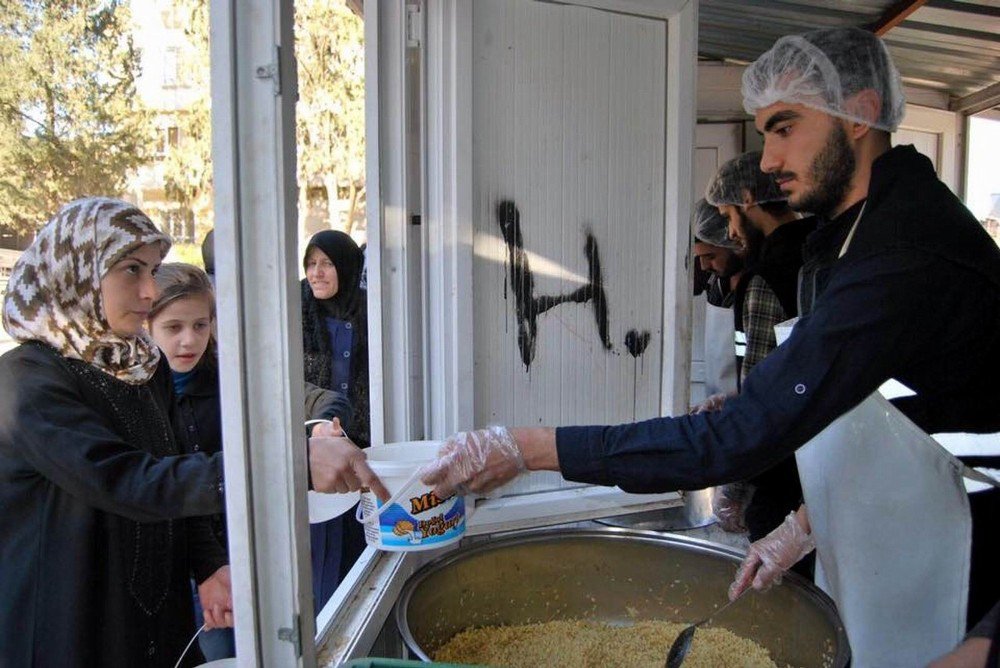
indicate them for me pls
(350, 304)
(348, 259)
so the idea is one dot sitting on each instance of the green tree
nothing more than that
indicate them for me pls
(187, 166)
(329, 48)
(70, 121)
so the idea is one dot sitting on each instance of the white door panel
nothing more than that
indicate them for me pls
(568, 120)
(934, 132)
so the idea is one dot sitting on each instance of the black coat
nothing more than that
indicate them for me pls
(916, 298)
(197, 423)
(102, 524)
(317, 357)
(778, 491)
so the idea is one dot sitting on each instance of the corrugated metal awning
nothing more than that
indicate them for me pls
(945, 45)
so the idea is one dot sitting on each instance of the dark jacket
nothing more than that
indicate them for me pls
(778, 263)
(197, 418)
(778, 491)
(327, 404)
(318, 355)
(197, 423)
(916, 298)
(101, 522)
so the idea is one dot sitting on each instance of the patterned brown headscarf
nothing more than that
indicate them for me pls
(54, 292)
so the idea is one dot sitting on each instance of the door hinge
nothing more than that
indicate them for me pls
(272, 71)
(414, 26)
(292, 635)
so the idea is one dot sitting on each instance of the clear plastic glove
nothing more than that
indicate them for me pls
(710, 405)
(476, 461)
(768, 558)
(729, 503)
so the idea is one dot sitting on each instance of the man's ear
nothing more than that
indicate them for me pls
(867, 105)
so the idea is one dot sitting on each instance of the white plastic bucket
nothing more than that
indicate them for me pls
(324, 507)
(414, 518)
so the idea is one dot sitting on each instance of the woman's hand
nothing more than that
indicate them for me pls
(330, 429)
(337, 465)
(216, 596)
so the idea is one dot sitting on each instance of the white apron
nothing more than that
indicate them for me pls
(890, 516)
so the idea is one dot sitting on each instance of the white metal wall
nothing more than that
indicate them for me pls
(569, 109)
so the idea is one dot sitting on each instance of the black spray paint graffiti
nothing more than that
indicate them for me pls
(528, 307)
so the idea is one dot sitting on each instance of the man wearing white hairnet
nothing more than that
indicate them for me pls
(772, 235)
(716, 255)
(718, 263)
(720, 258)
(900, 282)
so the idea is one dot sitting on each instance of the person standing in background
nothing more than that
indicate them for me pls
(772, 236)
(718, 266)
(320, 403)
(335, 348)
(720, 260)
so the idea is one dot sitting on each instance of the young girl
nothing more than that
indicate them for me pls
(181, 322)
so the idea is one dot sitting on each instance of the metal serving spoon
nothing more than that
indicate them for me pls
(682, 645)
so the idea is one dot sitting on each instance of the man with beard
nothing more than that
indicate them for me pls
(900, 282)
(772, 235)
(717, 267)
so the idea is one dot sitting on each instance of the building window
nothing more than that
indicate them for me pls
(171, 65)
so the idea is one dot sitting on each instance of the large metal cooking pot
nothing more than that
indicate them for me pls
(616, 576)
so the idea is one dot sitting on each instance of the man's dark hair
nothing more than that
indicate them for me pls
(208, 252)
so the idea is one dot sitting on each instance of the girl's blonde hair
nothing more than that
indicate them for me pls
(177, 280)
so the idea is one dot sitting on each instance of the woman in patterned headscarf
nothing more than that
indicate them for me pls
(102, 521)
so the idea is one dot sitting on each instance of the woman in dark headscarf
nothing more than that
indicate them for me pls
(335, 346)
(102, 522)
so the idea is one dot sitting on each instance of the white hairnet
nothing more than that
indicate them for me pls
(739, 176)
(711, 227)
(824, 69)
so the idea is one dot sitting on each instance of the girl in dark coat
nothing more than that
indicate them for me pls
(181, 323)
(335, 347)
(103, 522)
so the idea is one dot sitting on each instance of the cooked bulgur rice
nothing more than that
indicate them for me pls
(585, 644)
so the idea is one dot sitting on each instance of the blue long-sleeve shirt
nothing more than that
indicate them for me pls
(916, 298)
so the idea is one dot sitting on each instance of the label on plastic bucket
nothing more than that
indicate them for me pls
(421, 522)
(415, 518)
